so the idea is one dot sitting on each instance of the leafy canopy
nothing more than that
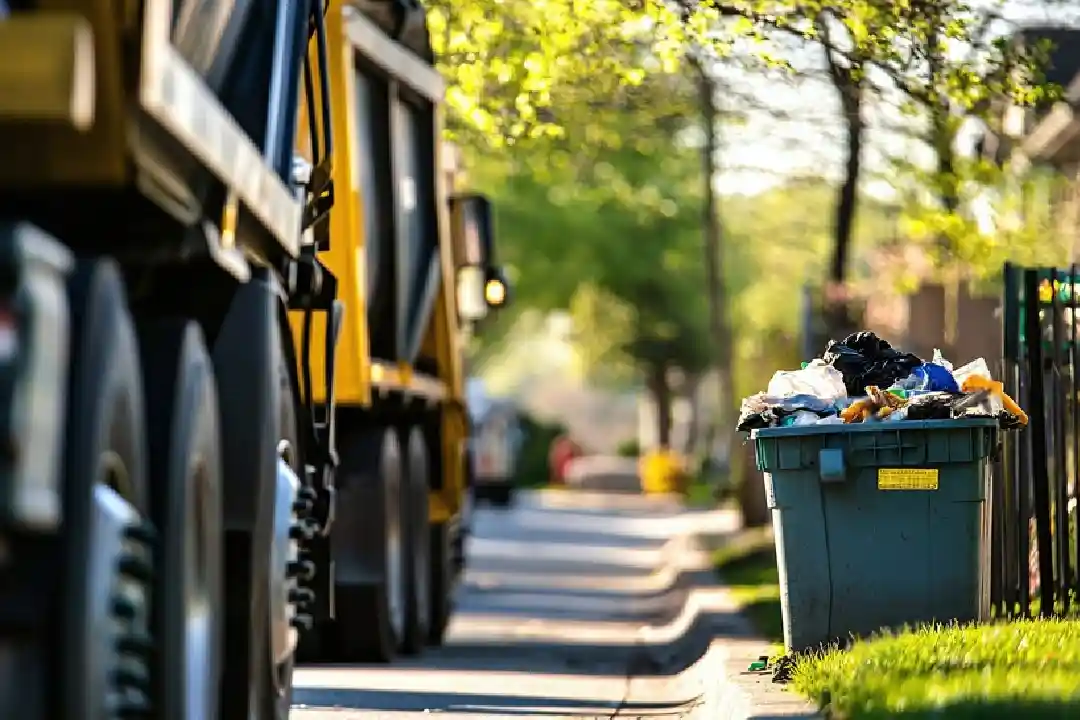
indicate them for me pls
(611, 234)
(524, 69)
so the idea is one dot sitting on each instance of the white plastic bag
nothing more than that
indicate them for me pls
(804, 417)
(818, 379)
(977, 366)
(939, 359)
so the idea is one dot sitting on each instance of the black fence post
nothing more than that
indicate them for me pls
(1058, 402)
(1040, 480)
(1012, 552)
(1073, 485)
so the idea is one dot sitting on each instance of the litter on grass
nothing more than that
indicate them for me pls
(865, 379)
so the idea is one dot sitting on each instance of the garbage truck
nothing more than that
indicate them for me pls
(163, 472)
(415, 267)
(169, 469)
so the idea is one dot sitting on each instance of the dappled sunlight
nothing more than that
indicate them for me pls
(389, 678)
(527, 553)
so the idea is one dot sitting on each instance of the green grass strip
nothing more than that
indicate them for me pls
(1023, 670)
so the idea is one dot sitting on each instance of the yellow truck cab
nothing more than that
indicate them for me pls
(413, 265)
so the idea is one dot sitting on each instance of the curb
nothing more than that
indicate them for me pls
(708, 659)
(742, 695)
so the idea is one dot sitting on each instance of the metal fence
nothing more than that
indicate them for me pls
(1035, 534)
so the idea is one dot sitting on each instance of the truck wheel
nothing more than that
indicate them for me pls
(415, 523)
(185, 462)
(260, 491)
(108, 551)
(442, 581)
(284, 595)
(370, 615)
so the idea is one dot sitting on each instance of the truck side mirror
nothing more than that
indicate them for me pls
(472, 230)
(481, 290)
(471, 303)
(482, 286)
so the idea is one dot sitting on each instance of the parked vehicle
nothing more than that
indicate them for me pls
(414, 263)
(176, 285)
(495, 446)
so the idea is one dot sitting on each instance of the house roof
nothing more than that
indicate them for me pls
(1063, 67)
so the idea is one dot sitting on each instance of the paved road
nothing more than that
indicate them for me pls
(555, 616)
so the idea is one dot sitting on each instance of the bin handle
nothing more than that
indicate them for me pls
(831, 465)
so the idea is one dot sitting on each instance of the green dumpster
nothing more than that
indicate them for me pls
(878, 525)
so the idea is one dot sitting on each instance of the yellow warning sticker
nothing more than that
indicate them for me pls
(907, 479)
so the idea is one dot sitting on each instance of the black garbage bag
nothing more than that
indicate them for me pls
(757, 420)
(938, 405)
(864, 359)
(979, 404)
(945, 405)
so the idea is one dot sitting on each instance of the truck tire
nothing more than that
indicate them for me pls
(257, 415)
(277, 693)
(105, 496)
(185, 462)
(443, 575)
(369, 614)
(415, 523)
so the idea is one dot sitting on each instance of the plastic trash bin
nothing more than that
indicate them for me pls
(878, 525)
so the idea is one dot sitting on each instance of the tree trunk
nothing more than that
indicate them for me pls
(710, 221)
(693, 427)
(944, 137)
(847, 79)
(847, 198)
(660, 389)
(720, 428)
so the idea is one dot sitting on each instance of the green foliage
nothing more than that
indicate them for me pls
(1024, 669)
(1006, 216)
(629, 448)
(946, 63)
(519, 70)
(610, 232)
(527, 69)
(747, 566)
(777, 242)
(578, 81)
(939, 54)
(620, 277)
(599, 205)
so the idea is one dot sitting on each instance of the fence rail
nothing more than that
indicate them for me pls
(1035, 533)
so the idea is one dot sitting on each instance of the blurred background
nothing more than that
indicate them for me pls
(691, 196)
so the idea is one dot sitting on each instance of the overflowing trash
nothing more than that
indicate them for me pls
(865, 379)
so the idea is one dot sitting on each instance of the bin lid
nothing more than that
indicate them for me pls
(872, 427)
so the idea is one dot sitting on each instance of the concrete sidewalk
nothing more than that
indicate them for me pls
(551, 621)
(576, 605)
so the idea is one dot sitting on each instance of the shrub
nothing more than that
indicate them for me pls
(629, 448)
(532, 466)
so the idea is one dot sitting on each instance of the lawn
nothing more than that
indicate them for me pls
(1027, 670)
(700, 493)
(747, 565)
